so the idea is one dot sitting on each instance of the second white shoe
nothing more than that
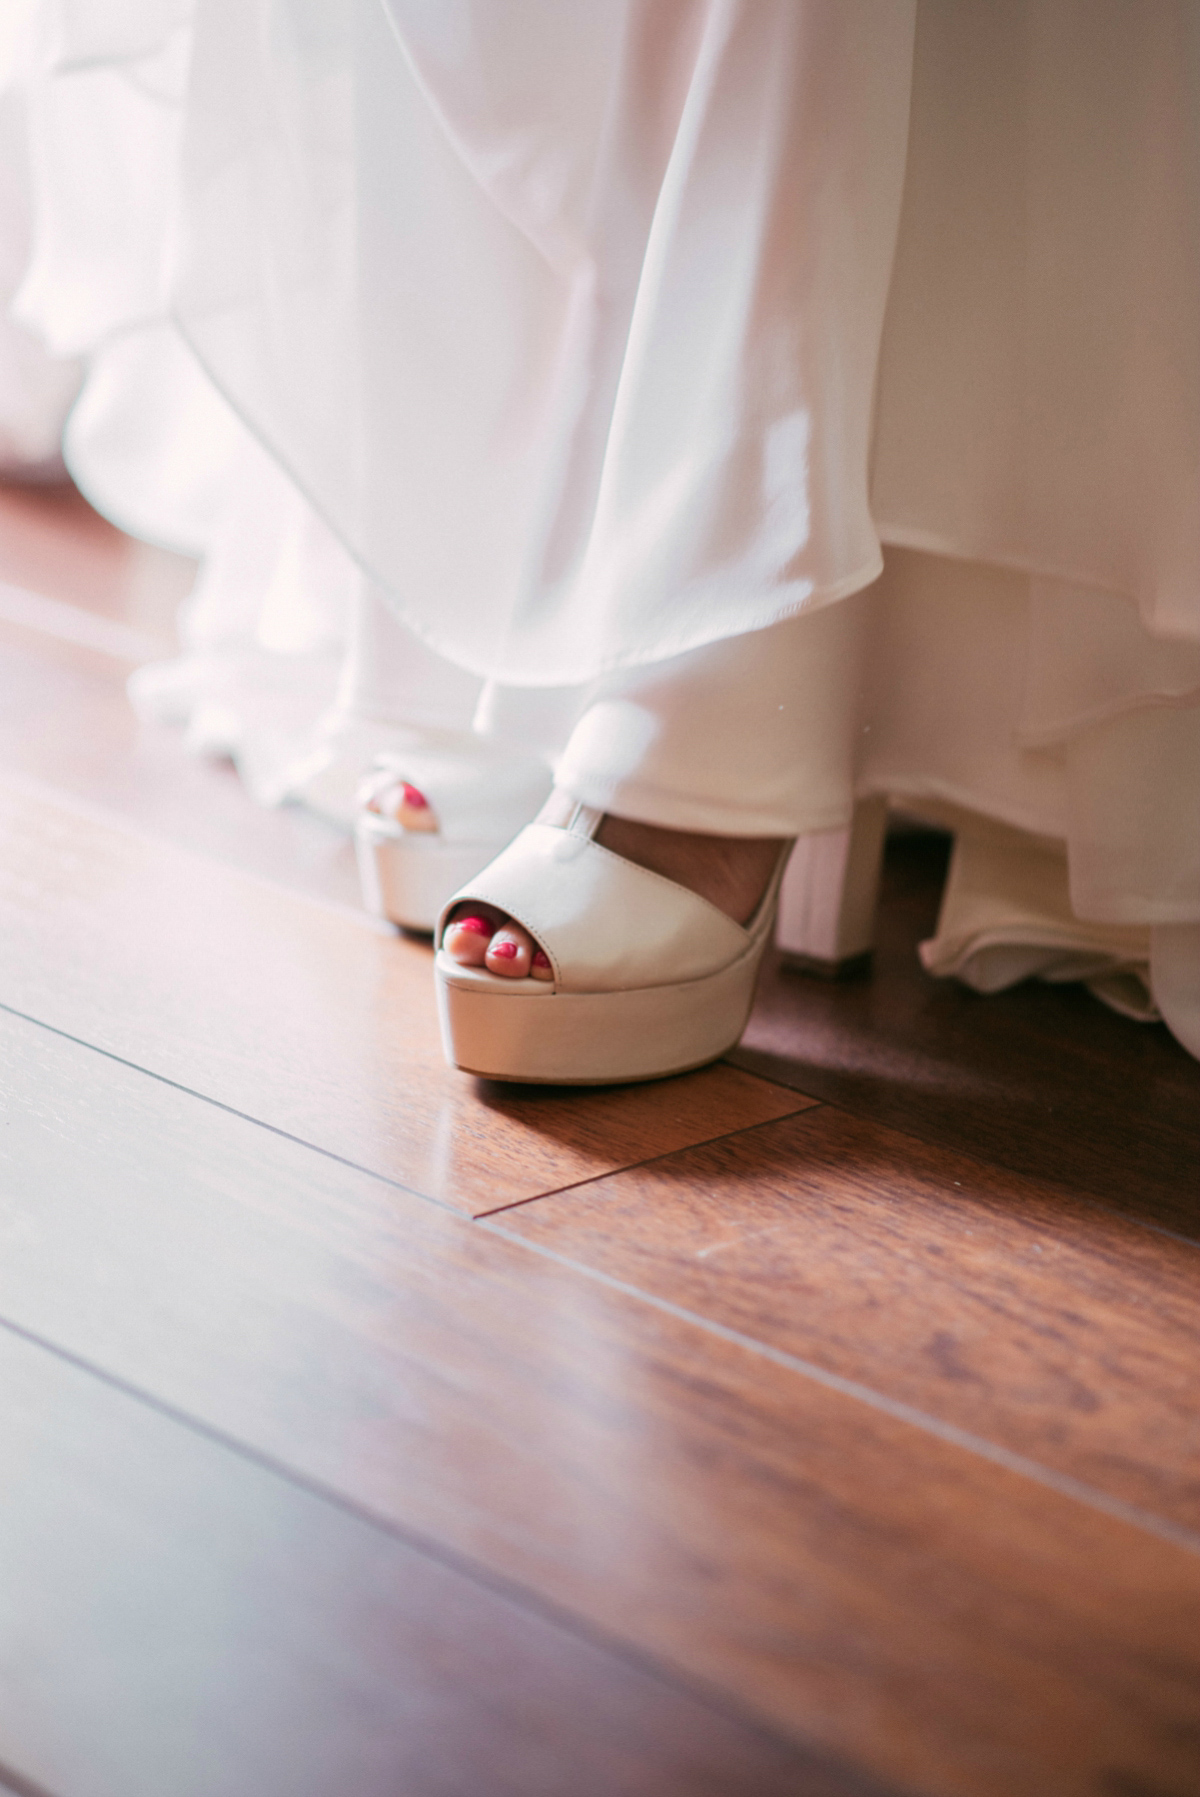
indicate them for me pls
(474, 799)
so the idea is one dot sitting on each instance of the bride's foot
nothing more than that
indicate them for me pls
(384, 796)
(431, 815)
(731, 872)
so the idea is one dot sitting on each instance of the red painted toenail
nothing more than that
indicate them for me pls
(478, 926)
(540, 958)
(505, 950)
(412, 797)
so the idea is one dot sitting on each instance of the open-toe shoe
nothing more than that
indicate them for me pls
(649, 978)
(475, 798)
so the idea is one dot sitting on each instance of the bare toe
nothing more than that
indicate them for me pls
(539, 965)
(468, 935)
(510, 952)
(481, 936)
(414, 810)
(398, 800)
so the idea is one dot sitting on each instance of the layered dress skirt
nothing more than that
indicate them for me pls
(751, 406)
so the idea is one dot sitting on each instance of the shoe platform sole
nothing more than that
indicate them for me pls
(526, 1032)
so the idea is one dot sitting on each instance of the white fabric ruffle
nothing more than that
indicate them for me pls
(534, 348)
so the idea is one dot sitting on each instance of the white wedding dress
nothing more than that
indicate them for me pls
(557, 371)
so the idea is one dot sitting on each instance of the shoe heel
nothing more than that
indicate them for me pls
(829, 896)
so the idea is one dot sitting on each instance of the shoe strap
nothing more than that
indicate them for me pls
(584, 821)
(606, 923)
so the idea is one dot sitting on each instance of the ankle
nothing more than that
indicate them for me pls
(731, 872)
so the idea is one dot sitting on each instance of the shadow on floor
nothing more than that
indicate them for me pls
(1041, 1079)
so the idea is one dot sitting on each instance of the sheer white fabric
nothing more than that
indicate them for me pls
(36, 389)
(531, 351)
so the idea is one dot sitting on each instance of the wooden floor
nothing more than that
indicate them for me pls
(822, 1423)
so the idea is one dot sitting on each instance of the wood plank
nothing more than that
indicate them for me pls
(860, 1585)
(65, 720)
(66, 724)
(307, 1018)
(111, 603)
(177, 1619)
(1041, 1079)
(53, 543)
(1007, 1306)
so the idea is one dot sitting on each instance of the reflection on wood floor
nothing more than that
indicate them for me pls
(820, 1423)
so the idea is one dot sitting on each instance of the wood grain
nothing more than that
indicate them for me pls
(858, 1584)
(1041, 1079)
(1007, 1306)
(65, 720)
(309, 1019)
(66, 724)
(52, 542)
(177, 1619)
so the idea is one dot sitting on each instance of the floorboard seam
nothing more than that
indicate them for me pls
(1062, 1483)
(219, 1104)
(388, 1179)
(120, 823)
(66, 623)
(523, 1597)
(593, 1179)
(1084, 1196)
(1018, 1463)
(1079, 1193)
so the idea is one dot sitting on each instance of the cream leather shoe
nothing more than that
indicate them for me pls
(476, 798)
(649, 978)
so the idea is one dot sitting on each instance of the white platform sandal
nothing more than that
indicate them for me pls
(649, 978)
(475, 799)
